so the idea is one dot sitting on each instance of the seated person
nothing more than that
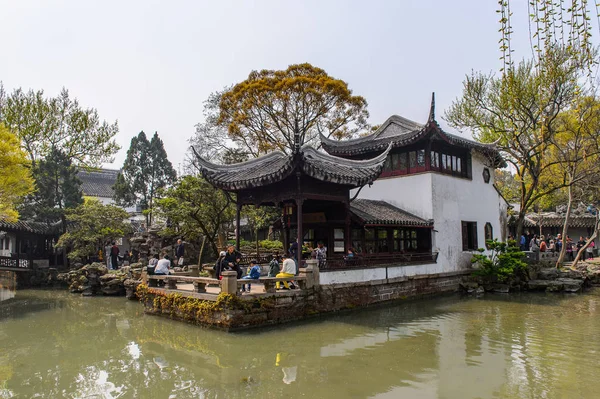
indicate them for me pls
(218, 265)
(231, 261)
(288, 270)
(253, 274)
(152, 264)
(162, 267)
(274, 266)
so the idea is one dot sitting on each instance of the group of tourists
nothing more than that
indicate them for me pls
(533, 242)
(280, 266)
(162, 266)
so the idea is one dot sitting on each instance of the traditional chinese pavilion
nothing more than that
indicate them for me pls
(379, 194)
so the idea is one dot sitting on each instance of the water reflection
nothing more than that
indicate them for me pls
(59, 345)
(8, 285)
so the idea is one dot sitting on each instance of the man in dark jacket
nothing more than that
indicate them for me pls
(232, 260)
(114, 256)
(179, 252)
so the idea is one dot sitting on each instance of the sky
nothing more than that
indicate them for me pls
(151, 64)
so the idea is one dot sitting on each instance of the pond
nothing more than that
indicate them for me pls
(60, 345)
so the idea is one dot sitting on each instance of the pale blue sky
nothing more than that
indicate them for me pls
(151, 64)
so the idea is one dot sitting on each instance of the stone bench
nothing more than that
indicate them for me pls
(270, 282)
(199, 283)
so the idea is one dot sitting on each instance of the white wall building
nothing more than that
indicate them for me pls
(435, 176)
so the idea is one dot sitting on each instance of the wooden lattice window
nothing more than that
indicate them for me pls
(469, 236)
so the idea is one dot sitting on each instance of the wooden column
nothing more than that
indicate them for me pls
(237, 225)
(347, 231)
(300, 237)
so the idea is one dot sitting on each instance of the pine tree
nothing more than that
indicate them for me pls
(58, 189)
(145, 171)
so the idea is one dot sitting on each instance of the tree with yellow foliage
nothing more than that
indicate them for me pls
(263, 112)
(15, 175)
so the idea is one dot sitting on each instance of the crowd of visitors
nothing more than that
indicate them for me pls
(533, 242)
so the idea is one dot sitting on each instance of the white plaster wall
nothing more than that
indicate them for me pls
(456, 200)
(416, 270)
(352, 276)
(448, 201)
(362, 275)
(11, 245)
(411, 193)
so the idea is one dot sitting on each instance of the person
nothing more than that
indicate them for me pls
(534, 245)
(274, 266)
(351, 253)
(551, 246)
(590, 249)
(569, 245)
(253, 274)
(559, 243)
(162, 267)
(288, 270)
(179, 252)
(218, 265)
(543, 245)
(581, 244)
(321, 253)
(107, 248)
(232, 261)
(152, 264)
(114, 256)
(294, 250)
(523, 242)
(126, 258)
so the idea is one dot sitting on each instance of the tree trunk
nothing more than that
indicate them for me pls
(257, 246)
(563, 248)
(587, 244)
(520, 221)
(201, 251)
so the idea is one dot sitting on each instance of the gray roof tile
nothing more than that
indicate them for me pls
(373, 212)
(98, 182)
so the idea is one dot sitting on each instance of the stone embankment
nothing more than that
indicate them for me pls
(96, 279)
(548, 279)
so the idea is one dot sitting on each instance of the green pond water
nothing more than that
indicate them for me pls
(58, 345)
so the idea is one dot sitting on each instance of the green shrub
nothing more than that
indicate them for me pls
(271, 244)
(264, 244)
(505, 261)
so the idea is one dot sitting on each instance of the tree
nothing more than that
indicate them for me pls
(519, 112)
(43, 124)
(91, 225)
(262, 113)
(575, 153)
(58, 189)
(566, 23)
(15, 175)
(196, 209)
(145, 172)
(260, 218)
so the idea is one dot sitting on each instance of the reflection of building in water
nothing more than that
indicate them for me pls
(8, 285)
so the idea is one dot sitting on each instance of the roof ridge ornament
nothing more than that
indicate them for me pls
(432, 108)
(296, 137)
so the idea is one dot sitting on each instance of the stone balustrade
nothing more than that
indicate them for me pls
(307, 279)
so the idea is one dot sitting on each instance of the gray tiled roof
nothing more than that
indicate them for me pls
(553, 219)
(277, 165)
(399, 132)
(373, 212)
(30, 227)
(98, 182)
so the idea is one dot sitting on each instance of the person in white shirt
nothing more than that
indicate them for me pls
(288, 270)
(162, 267)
